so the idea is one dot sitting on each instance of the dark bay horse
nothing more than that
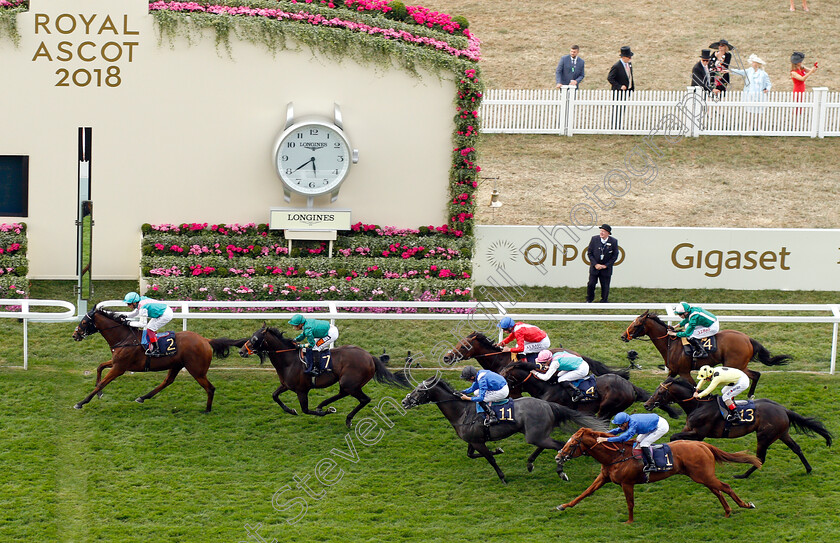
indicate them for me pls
(770, 421)
(615, 393)
(734, 349)
(694, 459)
(352, 368)
(491, 357)
(194, 353)
(534, 417)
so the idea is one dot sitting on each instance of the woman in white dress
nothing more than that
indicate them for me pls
(756, 85)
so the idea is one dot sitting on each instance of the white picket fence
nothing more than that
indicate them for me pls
(566, 111)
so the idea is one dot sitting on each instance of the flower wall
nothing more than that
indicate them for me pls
(13, 262)
(197, 261)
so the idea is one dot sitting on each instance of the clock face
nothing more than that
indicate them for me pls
(312, 158)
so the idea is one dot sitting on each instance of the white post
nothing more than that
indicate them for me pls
(570, 97)
(333, 309)
(26, 342)
(818, 125)
(833, 348)
(185, 311)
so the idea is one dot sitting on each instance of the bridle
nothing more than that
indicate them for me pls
(631, 334)
(87, 322)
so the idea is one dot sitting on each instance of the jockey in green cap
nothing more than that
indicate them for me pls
(158, 313)
(320, 336)
(698, 323)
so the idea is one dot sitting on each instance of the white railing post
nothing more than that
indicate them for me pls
(835, 310)
(818, 126)
(185, 311)
(567, 94)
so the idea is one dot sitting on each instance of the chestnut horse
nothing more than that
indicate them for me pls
(614, 392)
(770, 420)
(194, 353)
(352, 368)
(734, 349)
(695, 459)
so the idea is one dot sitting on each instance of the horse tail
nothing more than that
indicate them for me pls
(221, 346)
(599, 368)
(722, 456)
(809, 426)
(563, 415)
(763, 355)
(383, 375)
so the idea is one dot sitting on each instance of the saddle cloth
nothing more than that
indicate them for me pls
(662, 457)
(744, 408)
(166, 344)
(587, 387)
(322, 359)
(504, 410)
(708, 343)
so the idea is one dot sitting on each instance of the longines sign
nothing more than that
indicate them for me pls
(734, 258)
(309, 219)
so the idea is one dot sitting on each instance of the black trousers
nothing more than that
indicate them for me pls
(604, 277)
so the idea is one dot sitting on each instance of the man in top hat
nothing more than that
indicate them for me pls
(621, 79)
(719, 64)
(602, 253)
(700, 74)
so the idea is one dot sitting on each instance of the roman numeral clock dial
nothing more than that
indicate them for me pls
(313, 156)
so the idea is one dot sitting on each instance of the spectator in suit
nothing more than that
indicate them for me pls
(570, 69)
(602, 253)
(621, 79)
(701, 75)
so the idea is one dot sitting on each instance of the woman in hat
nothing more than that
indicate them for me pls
(798, 73)
(756, 84)
(719, 65)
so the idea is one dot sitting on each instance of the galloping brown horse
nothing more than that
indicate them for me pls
(769, 420)
(695, 459)
(734, 349)
(352, 368)
(194, 353)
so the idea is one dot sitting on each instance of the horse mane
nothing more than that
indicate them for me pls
(119, 317)
(485, 341)
(655, 318)
(279, 335)
(527, 366)
(433, 381)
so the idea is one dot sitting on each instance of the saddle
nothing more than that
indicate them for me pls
(745, 409)
(166, 346)
(322, 361)
(504, 410)
(692, 346)
(587, 388)
(663, 459)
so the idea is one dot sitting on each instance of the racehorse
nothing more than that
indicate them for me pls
(770, 420)
(615, 393)
(351, 367)
(734, 349)
(694, 459)
(194, 353)
(533, 417)
(491, 357)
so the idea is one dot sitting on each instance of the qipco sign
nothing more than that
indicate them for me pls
(537, 254)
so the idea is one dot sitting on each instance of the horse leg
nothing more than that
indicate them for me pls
(201, 377)
(113, 374)
(170, 377)
(687, 434)
(764, 442)
(599, 481)
(794, 446)
(102, 366)
(472, 454)
(754, 376)
(629, 495)
(534, 455)
(341, 394)
(363, 398)
(303, 399)
(485, 452)
(706, 477)
(276, 397)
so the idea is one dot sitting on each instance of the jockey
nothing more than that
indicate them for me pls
(647, 427)
(530, 340)
(734, 382)
(159, 313)
(320, 336)
(698, 324)
(487, 386)
(569, 367)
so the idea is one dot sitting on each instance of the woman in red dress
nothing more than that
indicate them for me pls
(799, 75)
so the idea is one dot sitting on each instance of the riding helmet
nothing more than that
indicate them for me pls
(704, 372)
(131, 298)
(297, 320)
(681, 308)
(544, 356)
(621, 418)
(468, 373)
(506, 323)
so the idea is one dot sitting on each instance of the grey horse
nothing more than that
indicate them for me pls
(534, 417)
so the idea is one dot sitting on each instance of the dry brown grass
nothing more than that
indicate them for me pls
(710, 181)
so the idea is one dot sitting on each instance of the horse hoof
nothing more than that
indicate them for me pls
(139, 400)
(332, 410)
(561, 507)
(750, 505)
(99, 395)
(499, 450)
(530, 467)
(564, 476)
(77, 406)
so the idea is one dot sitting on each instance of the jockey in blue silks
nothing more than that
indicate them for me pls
(487, 387)
(647, 427)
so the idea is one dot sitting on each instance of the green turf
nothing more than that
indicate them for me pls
(164, 471)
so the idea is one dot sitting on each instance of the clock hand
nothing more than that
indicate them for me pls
(312, 160)
(314, 170)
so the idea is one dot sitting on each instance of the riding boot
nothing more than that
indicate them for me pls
(153, 348)
(647, 458)
(489, 416)
(732, 416)
(699, 351)
(309, 356)
(574, 391)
